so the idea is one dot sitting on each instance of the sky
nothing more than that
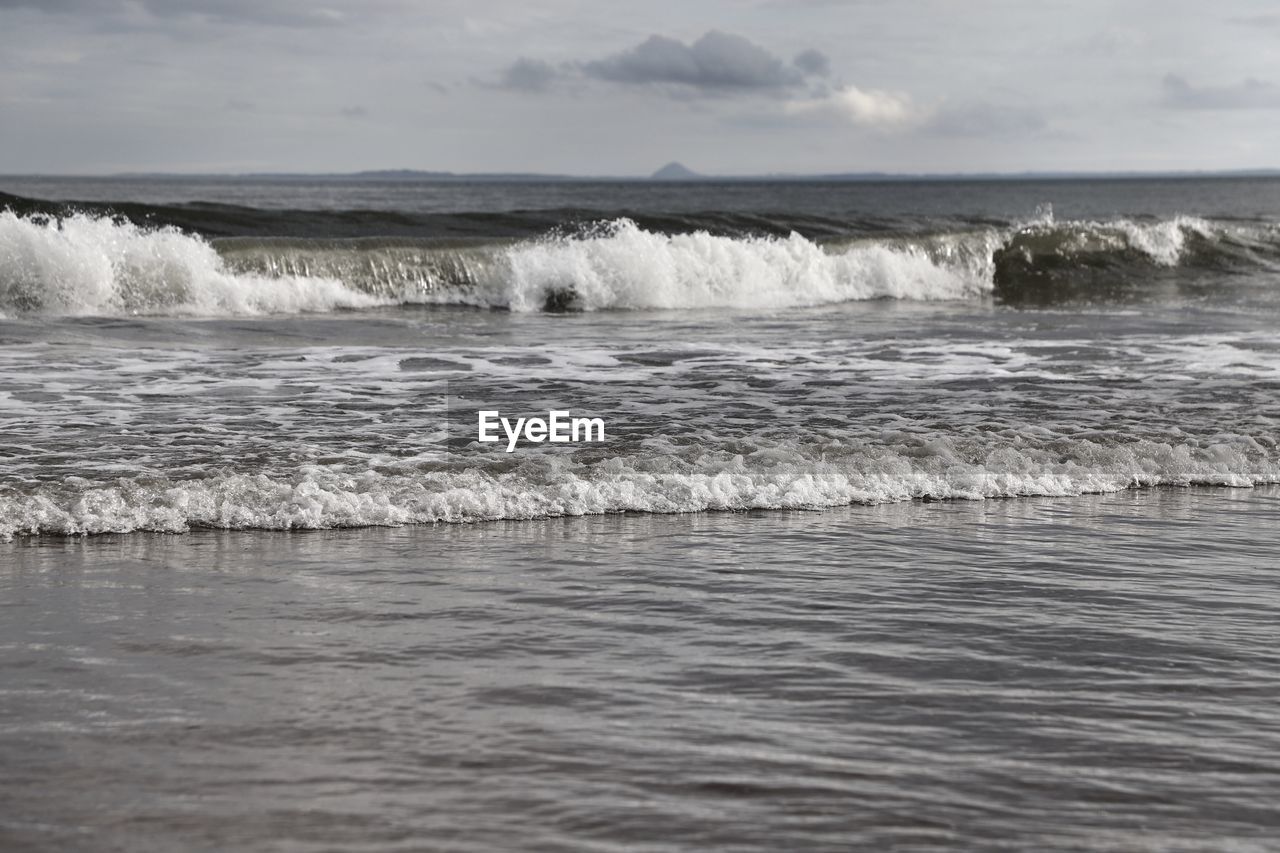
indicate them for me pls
(584, 87)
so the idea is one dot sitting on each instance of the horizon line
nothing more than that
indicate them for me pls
(689, 177)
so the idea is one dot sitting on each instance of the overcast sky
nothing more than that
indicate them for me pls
(587, 87)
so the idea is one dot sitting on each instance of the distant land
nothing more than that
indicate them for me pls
(676, 172)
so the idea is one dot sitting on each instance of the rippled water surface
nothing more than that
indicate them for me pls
(1092, 673)
(930, 516)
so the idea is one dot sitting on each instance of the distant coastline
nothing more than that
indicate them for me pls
(664, 175)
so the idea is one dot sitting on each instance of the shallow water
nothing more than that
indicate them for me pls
(120, 424)
(974, 590)
(1056, 674)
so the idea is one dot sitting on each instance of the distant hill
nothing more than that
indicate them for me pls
(419, 175)
(678, 172)
(674, 171)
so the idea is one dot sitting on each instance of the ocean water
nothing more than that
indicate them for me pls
(929, 515)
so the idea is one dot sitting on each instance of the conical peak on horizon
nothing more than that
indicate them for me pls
(674, 171)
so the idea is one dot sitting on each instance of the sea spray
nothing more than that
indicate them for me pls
(97, 265)
(86, 264)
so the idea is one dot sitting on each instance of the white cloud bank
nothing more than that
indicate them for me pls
(864, 107)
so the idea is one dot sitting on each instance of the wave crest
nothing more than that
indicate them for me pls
(96, 265)
(85, 264)
(670, 480)
(624, 266)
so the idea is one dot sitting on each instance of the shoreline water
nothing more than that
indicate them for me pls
(1093, 672)
(1206, 490)
(888, 672)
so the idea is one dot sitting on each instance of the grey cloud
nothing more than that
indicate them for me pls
(78, 88)
(290, 13)
(1250, 94)
(1261, 22)
(528, 75)
(1113, 43)
(46, 5)
(985, 120)
(717, 61)
(279, 14)
(813, 62)
(354, 112)
(819, 4)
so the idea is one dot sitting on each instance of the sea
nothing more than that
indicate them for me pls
(929, 515)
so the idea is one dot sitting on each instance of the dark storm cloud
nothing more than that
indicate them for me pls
(1250, 94)
(717, 61)
(528, 75)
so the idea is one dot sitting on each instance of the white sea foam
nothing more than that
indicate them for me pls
(625, 266)
(670, 480)
(82, 265)
(1162, 241)
(85, 264)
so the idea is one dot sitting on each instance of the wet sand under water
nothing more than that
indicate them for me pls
(1084, 673)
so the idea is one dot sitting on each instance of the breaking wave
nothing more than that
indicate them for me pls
(96, 264)
(1050, 261)
(622, 266)
(667, 480)
(86, 265)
